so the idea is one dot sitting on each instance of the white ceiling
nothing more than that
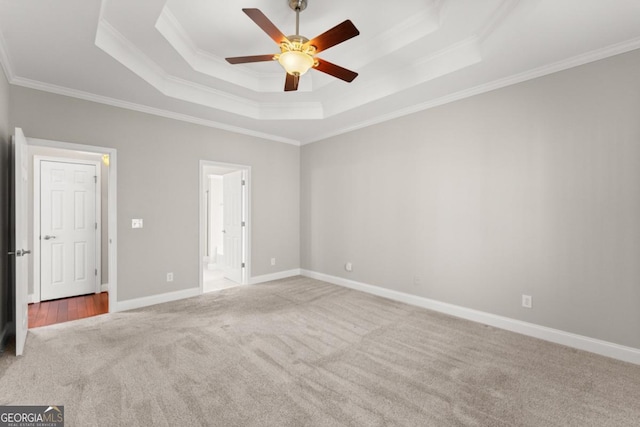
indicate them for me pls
(166, 57)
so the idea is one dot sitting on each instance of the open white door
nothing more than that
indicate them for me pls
(21, 177)
(233, 221)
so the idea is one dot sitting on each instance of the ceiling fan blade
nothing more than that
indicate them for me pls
(291, 83)
(335, 70)
(245, 59)
(267, 26)
(334, 36)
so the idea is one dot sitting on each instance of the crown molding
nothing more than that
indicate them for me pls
(575, 61)
(419, 25)
(211, 65)
(453, 58)
(115, 44)
(73, 93)
(112, 42)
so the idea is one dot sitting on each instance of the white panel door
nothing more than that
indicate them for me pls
(21, 181)
(232, 205)
(67, 229)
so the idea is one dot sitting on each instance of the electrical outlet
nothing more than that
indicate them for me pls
(348, 266)
(273, 261)
(137, 223)
(526, 301)
(417, 280)
(169, 277)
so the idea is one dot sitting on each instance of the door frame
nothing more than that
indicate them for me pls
(37, 161)
(112, 205)
(246, 202)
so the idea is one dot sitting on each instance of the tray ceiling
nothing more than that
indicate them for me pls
(166, 57)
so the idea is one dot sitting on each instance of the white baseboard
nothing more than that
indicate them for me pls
(104, 287)
(31, 298)
(213, 266)
(274, 276)
(604, 348)
(155, 299)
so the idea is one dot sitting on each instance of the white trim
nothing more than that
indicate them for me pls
(32, 299)
(575, 61)
(112, 204)
(153, 300)
(422, 22)
(274, 276)
(104, 287)
(207, 63)
(74, 93)
(246, 241)
(115, 44)
(37, 162)
(604, 348)
(544, 70)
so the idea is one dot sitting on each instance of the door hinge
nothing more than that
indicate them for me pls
(244, 182)
(244, 224)
(95, 178)
(96, 225)
(243, 265)
(96, 272)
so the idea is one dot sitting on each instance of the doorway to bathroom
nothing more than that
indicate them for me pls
(224, 260)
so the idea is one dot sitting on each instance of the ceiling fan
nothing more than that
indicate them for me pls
(297, 53)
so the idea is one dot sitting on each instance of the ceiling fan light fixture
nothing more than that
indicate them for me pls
(295, 62)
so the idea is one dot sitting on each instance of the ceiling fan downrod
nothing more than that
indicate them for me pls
(298, 6)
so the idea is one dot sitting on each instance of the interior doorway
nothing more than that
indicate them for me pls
(224, 226)
(104, 272)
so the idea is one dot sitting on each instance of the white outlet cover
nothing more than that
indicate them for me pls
(137, 223)
(526, 301)
(348, 266)
(273, 261)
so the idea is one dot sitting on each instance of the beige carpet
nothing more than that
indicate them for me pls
(299, 352)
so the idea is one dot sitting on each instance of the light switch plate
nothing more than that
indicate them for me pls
(136, 223)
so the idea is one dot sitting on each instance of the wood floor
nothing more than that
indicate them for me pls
(63, 310)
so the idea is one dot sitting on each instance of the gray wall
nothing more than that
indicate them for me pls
(104, 200)
(4, 202)
(531, 189)
(158, 180)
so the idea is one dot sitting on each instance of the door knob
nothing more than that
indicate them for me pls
(47, 237)
(20, 252)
